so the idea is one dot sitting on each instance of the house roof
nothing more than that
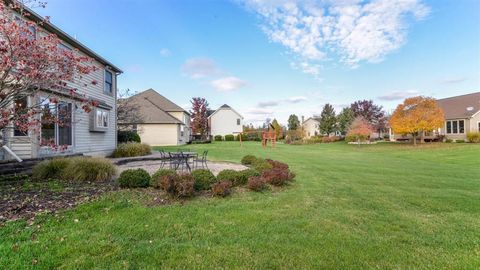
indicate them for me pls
(223, 107)
(311, 118)
(464, 106)
(32, 15)
(153, 108)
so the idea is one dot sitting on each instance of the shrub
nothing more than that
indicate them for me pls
(156, 178)
(89, 169)
(221, 189)
(218, 138)
(227, 175)
(131, 150)
(277, 164)
(262, 165)
(229, 138)
(134, 178)
(331, 139)
(124, 136)
(256, 183)
(473, 137)
(49, 169)
(178, 185)
(203, 179)
(243, 176)
(277, 177)
(448, 140)
(185, 186)
(249, 160)
(459, 141)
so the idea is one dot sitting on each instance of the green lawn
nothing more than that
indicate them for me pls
(384, 206)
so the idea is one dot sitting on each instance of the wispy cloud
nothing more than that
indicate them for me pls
(228, 84)
(296, 99)
(197, 68)
(264, 104)
(398, 95)
(454, 80)
(353, 31)
(259, 111)
(164, 52)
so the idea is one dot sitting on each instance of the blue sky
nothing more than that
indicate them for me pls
(268, 59)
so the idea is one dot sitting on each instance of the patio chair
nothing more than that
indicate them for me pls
(164, 158)
(179, 161)
(202, 160)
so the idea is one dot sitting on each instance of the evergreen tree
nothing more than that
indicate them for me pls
(293, 122)
(328, 121)
(345, 119)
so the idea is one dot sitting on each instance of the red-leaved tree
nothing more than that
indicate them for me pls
(360, 130)
(34, 62)
(199, 114)
(371, 112)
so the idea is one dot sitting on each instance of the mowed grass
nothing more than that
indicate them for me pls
(383, 206)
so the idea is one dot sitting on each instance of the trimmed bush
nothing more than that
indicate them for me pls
(243, 176)
(185, 186)
(227, 175)
(134, 178)
(156, 178)
(89, 169)
(178, 185)
(448, 140)
(460, 141)
(262, 165)
(473, 137)
(229, 138)
(203, 179)
(278, 177)
(124, 136)
(50, 169)
(221, 189)
(256, 183)
(218, 138)
(331, 139)
(249, 160)
(131, 150)
(277, 164)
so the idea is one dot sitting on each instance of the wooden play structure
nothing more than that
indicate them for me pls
(267, 136)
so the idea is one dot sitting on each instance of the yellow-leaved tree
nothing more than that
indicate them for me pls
(417, 115)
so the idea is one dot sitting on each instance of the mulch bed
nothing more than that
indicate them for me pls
(27, 199)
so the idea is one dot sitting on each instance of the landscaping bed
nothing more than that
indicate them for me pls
(27, 199)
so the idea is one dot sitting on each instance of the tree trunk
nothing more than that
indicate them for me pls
(422, 137)
(415, 139)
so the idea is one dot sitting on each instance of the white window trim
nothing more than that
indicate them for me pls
(104, 113)
(57, 129)
(458, 126)
(105, 70)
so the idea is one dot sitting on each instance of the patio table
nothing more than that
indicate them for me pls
(186, 157)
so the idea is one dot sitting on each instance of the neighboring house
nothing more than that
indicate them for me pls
(91, 133)
(162, 121)
(462, 115)
(311, 127)
(225, 121)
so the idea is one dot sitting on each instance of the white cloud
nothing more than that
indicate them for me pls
(259, 111)
(228, 84)
(164, 52)
(398, 95)
(197, 68)
(353, 31)
(268, 103)
(454, 80)
(296, 99)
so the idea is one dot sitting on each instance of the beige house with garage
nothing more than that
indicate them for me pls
(89, 133)
(311, 127)
(462, 115)
(160, 121)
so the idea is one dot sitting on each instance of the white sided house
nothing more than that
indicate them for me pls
(225, 121)
(160, 121)
(311, 127)
(92, 133)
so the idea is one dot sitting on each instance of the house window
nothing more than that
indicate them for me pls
(478, 126)
(20, 109)
(101, 118)
(108, 82)
(56, 123)
(31, 28)
(238, 121)
(456, 127)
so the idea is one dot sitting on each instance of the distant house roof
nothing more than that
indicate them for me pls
(464, 106)
(32, 15)
(313, 119)
(210, 113)
(153, 108)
